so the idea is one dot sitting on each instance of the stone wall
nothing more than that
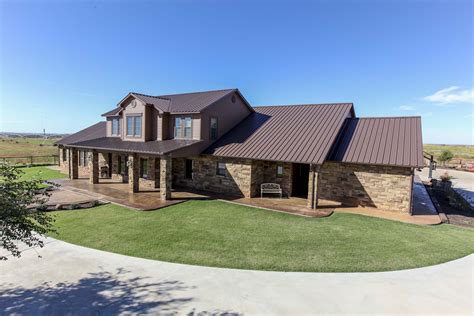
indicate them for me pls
(266, 172)
(236, 182)
(384, 187)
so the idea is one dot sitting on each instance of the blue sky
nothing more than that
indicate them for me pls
(65, 63)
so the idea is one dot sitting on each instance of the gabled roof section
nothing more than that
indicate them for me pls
(194, 102)
(292, 133)
(393, 141)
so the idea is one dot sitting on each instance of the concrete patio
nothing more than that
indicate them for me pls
(424, 213)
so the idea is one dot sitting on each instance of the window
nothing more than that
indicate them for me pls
(83, 158)
(189, 169)
(115, 126)
(177, 127)
(134, 126)
(187, 127)
(183, 127)
(279, 171)
(221, 169)
(213, 128)
(143, 168)
(86, 158)
(64, 154)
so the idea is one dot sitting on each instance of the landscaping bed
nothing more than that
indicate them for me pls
(220, 234)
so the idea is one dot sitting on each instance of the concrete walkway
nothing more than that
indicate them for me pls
(69, 279)
(463, 181)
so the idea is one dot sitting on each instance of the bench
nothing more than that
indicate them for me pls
(271, 188)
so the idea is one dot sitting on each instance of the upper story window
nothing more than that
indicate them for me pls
(134, 126)
(115, 126)
(213, 128)
(183, 127)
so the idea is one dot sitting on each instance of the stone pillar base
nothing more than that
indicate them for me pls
(165, 178)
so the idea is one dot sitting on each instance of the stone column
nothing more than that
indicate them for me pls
(156, 171)
(133, 172)
(313, 187)
(93, 167)
(165, 177)
(73, 163)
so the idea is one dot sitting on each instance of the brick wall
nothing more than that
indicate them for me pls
(384, 187)
(236, 182)
(64, 163)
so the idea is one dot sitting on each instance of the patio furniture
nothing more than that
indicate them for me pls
(271, 188)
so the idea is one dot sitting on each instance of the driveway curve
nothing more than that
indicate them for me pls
(70, 279)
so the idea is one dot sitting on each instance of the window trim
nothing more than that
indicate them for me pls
(224, 174)
(182, 127)
(133, 117)
(210, 128)
(282, 171)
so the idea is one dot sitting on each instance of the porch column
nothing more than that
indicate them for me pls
(93, 167)
(313, 187)
(133, 172)
(73, 163)
(165, 177)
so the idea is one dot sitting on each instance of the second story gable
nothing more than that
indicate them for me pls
(202, 116)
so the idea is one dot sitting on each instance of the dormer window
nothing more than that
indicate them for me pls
(134, 126)
(115, 126)
(183, 127)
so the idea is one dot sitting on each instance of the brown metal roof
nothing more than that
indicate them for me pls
(392, 141)
(150, 147)
(113, 112)
(92, 132)
(94, 137)
(295, 133)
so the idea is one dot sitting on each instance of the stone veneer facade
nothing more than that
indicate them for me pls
(385, 187)
(243, 176)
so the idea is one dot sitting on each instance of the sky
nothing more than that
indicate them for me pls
(64, 63)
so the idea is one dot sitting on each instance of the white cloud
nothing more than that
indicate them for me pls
(406, 108)
(450, 95)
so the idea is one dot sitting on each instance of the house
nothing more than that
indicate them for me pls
(216, 141)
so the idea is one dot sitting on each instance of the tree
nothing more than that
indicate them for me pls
(22, 215)
(445, 156)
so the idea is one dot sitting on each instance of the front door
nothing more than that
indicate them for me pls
(300, 180)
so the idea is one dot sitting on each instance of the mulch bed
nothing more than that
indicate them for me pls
(455, 215)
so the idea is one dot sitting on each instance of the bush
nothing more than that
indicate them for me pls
(445, 156)
(445, 177)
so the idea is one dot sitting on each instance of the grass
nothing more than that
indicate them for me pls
(24, 147)
(41, 173)
(219, 234)
(463, 152)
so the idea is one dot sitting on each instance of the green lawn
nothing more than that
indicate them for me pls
(214, 233)
(42, 173)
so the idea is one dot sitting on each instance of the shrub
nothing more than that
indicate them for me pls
(445, 156)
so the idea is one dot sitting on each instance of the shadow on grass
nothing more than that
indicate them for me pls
(98, 293)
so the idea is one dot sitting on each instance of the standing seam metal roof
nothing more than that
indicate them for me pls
(394, 141)
(295, 133)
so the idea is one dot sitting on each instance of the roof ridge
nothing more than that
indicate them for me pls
(197, 92)
(386, 117)
(306, 104)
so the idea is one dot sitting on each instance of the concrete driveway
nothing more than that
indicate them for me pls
(70, 279)
(463, 181)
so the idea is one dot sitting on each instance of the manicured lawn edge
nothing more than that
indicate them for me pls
(218, 234)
